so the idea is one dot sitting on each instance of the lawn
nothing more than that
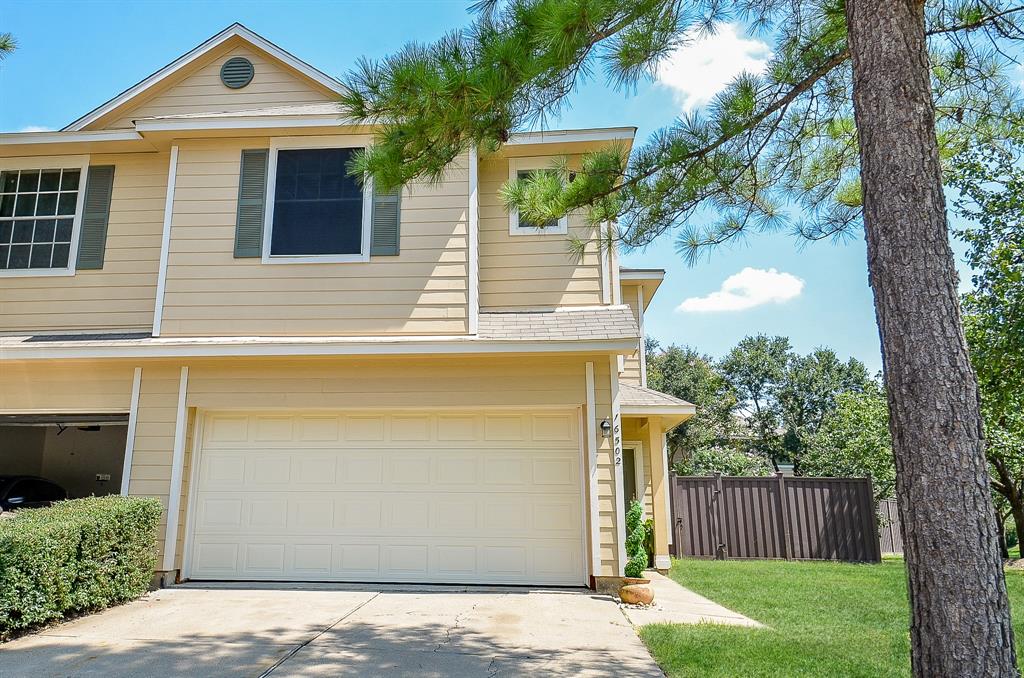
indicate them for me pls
(825, 619)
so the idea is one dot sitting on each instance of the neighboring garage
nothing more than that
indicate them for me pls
(84, 454)
(464, 497)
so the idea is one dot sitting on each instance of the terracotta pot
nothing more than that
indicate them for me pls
(636, 591)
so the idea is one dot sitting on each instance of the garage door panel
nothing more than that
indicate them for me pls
(403, 497)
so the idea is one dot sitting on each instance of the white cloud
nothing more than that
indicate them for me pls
(702, 67)
(34, 128)
(749, 288)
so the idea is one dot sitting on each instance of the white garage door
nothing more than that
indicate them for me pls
(491, 497)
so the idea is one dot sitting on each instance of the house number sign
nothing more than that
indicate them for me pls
(617, 440)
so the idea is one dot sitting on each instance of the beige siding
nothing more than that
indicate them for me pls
(65, 387)
(530, 271)
(631, 364)
(209, 292)
(121, 295)
(201, 91)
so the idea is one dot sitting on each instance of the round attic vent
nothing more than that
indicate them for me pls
(236, 72)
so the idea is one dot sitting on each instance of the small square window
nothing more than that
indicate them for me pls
(37, 243)
(522, 168)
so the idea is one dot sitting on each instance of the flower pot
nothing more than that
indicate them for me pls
(636, 591)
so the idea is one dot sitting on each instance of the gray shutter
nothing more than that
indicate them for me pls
(387, 213)
(252, 201)
(92, 241)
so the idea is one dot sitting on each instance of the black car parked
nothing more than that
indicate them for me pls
(18, 492)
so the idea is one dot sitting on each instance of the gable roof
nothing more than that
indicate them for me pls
(235, 30)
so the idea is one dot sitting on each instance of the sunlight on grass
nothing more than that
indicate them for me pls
(824, 619)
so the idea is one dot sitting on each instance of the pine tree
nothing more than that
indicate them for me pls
(848, 122)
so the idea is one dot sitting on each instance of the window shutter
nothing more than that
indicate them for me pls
(92, 241)
(387, 212)
(252, 201)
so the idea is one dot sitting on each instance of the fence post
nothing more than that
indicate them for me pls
(722, 551)
(784, 507)
(876, 537)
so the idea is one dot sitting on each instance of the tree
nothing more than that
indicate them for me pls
(755, 367)
(724, 459)
(845, 122)
(7, 45)
(990, 182)
(809, 391)
(853, 440)
(683, 372)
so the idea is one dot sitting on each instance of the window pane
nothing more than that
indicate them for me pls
(318, 208)
(49, 180)
(63, 230)
(29, 181)
(41, 256)
(3, 255)
(5, 231)
(6, 205)
(9, 182)
(22, 232)
(47, 204)
(19, 256)
(26, 206)
(60, 255)
(67, 203)
(44, 230)
(69, 180)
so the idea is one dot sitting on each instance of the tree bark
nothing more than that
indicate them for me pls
(960, 618)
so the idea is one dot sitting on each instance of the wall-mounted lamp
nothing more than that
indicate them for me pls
(606, 429)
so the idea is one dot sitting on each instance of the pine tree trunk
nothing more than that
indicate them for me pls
(960, 619)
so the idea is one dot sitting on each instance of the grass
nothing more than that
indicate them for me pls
(825, 619)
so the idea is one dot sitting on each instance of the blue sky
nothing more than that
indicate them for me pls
(73, 56)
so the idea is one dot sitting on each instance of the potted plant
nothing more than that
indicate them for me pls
(635, 589)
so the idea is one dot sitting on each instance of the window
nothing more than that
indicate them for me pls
(522, 168)
(317, 212)
(37, 217)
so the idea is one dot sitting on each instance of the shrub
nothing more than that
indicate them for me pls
(636, 552)
(75, 556)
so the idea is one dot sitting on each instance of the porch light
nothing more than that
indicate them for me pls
(606, 429)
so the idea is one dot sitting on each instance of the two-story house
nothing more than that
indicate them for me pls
(320, 382)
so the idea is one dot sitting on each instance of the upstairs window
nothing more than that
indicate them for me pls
(318, 212)
(37, 218)
(523, 168)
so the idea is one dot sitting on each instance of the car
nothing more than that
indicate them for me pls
(19, 492)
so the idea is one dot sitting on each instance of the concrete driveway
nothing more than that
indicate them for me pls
(340, 631)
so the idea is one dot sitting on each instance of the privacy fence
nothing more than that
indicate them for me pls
(889, 527)
(775, 517)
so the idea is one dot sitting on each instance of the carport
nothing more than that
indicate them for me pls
(83, 453)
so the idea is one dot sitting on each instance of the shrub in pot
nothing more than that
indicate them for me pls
(636, 589)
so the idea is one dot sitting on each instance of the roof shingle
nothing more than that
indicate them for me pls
(563, 324)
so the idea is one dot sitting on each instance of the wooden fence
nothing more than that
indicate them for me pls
(775, 517)
(890, 537)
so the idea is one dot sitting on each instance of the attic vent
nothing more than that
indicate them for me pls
(236, 72)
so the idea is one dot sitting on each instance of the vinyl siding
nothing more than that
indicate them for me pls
(121, 295)
(65, 387)
(530, 271)
(631, 363)
(421, 291)
(201, 91)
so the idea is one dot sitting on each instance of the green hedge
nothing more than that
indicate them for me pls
(75, 556)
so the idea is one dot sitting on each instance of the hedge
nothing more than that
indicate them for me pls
(75, 556)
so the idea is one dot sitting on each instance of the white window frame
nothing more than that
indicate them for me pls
(79, 162)
(314, 142)
(515, 165)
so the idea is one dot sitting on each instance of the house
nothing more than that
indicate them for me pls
(321, 382)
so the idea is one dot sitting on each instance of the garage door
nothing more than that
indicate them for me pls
(488, 497)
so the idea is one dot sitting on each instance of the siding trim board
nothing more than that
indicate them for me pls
(129, 443)
(165, 242)
(474, 240)
(177, 470)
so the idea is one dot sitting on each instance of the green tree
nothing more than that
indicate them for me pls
(685, 373)
(990, 181)
(7, 45)
(854, 441)
(724, 459)
(756, 367)
(809, 392)
(845, 122)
